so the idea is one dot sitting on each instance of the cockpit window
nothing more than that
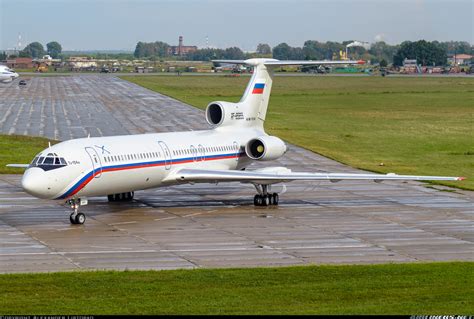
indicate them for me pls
(49, 162)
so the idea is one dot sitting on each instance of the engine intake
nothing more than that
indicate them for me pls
(222, 113)
(265, 148)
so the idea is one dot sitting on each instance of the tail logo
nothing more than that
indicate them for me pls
(258, 88)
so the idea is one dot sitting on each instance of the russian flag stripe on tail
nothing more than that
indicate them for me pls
(258, 88)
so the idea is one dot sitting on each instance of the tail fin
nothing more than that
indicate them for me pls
(255, 100)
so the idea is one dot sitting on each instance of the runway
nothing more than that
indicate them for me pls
(193, 226)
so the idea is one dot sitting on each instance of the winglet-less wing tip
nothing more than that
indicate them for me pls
(461, 178)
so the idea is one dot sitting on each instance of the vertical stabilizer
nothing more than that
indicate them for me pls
(253, 105)
(257, 94)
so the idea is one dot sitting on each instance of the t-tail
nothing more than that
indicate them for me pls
(251, 110)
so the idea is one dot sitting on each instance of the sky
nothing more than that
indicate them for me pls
(120, 24)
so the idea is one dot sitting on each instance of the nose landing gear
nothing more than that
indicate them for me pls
(264, 198)
(77, 218)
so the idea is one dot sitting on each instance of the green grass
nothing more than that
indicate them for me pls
(411, 125)
(434, 288)
(16, 149)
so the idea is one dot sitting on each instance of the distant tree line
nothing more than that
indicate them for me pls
(426, 53)
(36, 50)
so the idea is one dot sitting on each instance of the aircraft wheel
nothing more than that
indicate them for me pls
(111, 198)
(80, 218)
(72, 219)
(265, 200)
(256, 200)
(275, 199)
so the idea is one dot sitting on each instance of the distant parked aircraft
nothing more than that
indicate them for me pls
(6, 74)
(119, 165)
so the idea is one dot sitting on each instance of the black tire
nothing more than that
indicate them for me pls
(72, 219)
(275, 198)
(255, 200)
(132, 195)
(260, 200)
(111, 198)
(265, 200)
(270, 199)
(80, 218)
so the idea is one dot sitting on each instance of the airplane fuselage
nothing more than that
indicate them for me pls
(119, 164)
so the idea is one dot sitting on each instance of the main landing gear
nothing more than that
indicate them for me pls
(122, 197)
(264, 198)
(77, 218)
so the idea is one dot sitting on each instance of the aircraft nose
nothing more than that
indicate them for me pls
(34, 182)
(15, 75)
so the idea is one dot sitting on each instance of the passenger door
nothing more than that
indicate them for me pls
(202, 152)
(96, 162)
(166, 154)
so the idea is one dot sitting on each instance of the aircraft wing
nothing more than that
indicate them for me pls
(281, 174)
(18, 165)
(309, 62)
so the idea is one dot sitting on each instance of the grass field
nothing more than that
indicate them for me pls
(435, 288)
(16, 149)
(411, 125)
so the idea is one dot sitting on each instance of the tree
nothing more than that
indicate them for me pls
(149, 49)
(425, 53)
(282, 51)
(383, 51)
(54, 49)
(33, 50)
(206, 55)
(3, 56)
(383, 63)
(234, 53)
(264, 49)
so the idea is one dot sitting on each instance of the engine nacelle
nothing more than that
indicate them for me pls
(265, 148)
(223, 113)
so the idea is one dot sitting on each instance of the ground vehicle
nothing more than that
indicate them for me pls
(42, 68)
(315, 69)
(22, 83)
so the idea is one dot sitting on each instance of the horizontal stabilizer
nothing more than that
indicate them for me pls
(200, 175)
(275, 63)
(18, 165)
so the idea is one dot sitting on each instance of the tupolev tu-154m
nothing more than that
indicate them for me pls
(117, 166)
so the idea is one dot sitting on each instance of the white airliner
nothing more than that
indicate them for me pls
(7, 74)
(119, 165)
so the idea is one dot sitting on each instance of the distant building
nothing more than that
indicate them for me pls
(459, 59)
(20, 63)
(181, 50)
(410, 66)
(81, 63)
(410, 62)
